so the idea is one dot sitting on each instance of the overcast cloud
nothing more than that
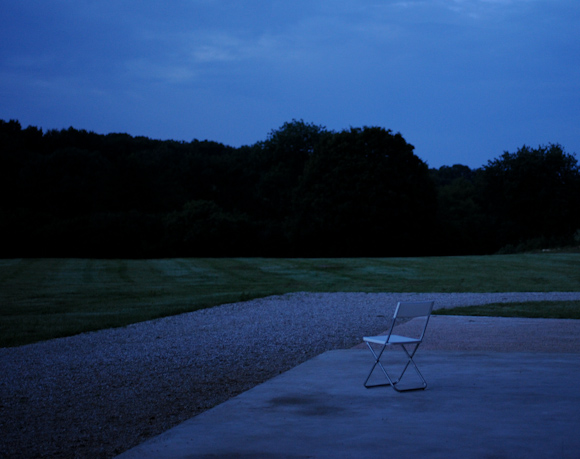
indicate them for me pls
(462, 80)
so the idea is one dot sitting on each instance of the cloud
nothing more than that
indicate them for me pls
(224, 47)
(440, 71)
(143, 69)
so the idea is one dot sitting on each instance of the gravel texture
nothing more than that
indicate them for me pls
(101, 393)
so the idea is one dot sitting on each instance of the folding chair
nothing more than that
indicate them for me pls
(417, 310)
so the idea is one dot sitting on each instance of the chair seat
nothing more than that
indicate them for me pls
(394, 339)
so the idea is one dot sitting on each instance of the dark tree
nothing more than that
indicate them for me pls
(275, 168)
(460, 216)
(202, 228)
(279, 163)
(532, 197)
(303, 191)
(364, 192)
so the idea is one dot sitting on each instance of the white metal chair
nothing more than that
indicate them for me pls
(416, 310)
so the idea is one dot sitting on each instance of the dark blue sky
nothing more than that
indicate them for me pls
(462, 80)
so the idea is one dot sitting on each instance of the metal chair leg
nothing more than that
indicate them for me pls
(393, 383)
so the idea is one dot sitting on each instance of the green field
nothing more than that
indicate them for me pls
(48, 298)
(534, 310)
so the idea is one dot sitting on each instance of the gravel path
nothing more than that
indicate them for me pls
(99, 394)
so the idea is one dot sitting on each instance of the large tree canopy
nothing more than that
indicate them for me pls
(532, 195)
(363, 192)
(279, 162)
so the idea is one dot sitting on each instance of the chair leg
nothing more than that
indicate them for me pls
(412, 361)
(378, 362)
(393, 383)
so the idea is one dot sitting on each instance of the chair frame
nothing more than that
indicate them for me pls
(404, 310)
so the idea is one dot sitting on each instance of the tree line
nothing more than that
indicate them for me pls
(304, 191)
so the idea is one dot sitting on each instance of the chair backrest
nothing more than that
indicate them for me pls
(413, 310)
(417, 309)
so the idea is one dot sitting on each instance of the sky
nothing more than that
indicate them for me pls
(462, 80)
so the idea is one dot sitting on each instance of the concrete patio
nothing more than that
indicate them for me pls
(478, 404)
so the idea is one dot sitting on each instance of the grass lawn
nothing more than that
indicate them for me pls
(48, 298)
(534, 310)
